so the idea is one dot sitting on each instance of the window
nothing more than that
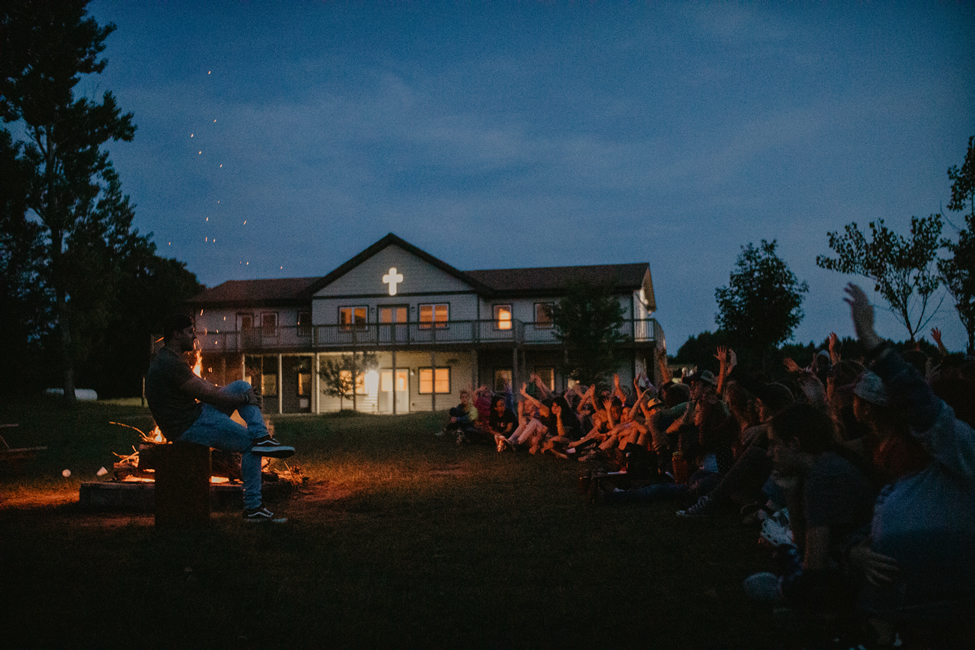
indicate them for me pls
(434, 380)
(345, 376)
(269, 323)
(269, 385)
(547, 375)
(349, 316)
(438, 314)
(246, 321)
(543, 315)
(394, 314)
(304, 323)
(304, 377)
(502, 317)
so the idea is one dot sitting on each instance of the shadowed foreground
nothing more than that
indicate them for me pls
(399, 539)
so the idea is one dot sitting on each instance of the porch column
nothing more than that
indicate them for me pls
(318, 388)
(280, 384)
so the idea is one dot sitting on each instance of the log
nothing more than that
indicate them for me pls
(182, 485)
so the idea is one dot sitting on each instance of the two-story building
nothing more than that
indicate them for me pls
(433, 328)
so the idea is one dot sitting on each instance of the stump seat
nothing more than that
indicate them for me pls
(182, 485)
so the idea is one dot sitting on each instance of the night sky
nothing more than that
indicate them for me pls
(281, 139)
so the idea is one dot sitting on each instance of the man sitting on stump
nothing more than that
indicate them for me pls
(190, 409)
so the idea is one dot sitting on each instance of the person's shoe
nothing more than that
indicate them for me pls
(268, 446)
(262, 515)
(461, 438)
(441, 433)
(703, 508)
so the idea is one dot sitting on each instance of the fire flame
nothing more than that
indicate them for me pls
(198, 363)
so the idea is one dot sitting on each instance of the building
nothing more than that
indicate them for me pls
(434, 329)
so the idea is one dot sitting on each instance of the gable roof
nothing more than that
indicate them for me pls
(393, 240)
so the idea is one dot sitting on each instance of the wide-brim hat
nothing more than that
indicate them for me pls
(704, 375)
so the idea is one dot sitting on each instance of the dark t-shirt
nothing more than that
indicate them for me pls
(500, 422)
(173, 410)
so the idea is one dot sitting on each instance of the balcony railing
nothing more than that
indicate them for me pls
(326, 337)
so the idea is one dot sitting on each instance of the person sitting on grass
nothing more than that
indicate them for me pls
(830, 496)
(917, 563)
(190, 409)
(462, 418)
(501, 422)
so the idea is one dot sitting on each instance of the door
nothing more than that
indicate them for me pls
(393, 324)
(402, 391)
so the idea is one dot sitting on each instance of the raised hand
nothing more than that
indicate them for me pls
(791, 365)
(722, 354)
(862, 312)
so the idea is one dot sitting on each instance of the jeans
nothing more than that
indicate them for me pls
(214, 428)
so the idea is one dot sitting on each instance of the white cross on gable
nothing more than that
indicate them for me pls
(392, 279)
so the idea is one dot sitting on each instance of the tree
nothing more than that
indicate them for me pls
(762, 303)
(47, 46)
(340, 376)
(24, 298)
(588, 321)
(958, 271)
(902, 269)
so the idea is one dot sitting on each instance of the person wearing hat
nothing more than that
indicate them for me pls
(895, 451)
(917, 563)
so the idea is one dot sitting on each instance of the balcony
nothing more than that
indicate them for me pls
(323, 338)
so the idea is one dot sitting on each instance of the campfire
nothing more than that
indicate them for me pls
(140, 465)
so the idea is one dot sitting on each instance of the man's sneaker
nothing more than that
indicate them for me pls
(702, 508)
(268, 446)
(262, 515)
(441, 433)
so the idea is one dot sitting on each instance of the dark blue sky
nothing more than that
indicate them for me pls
(500, 135)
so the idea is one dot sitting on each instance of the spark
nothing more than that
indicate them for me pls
(191, 135)
(245, 222)
(221, 165)
(208, 218)
(201, 152)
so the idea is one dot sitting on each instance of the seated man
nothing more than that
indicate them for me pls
(188, 408)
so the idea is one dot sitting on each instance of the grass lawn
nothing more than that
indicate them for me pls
(399, 539)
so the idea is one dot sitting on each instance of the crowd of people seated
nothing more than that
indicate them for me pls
(860, 474)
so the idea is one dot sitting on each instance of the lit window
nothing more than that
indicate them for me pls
(438, 314)
(269, 385)
(434, 380)
(502, 317)
(547, 375)
(543, 315)
(349, 316)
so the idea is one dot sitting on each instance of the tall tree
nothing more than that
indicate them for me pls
(762, 303)
(47, 46)
(902, 269)
(958, 271)
(588, 321)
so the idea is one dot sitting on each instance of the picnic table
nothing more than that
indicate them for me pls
(12, 454)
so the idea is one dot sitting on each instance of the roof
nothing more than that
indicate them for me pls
(239, 293)
(556, 279)
(539, 281)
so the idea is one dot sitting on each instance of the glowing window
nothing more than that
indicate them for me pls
(352, 316)
(437, 314)
(434, 380)
(502, 317)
